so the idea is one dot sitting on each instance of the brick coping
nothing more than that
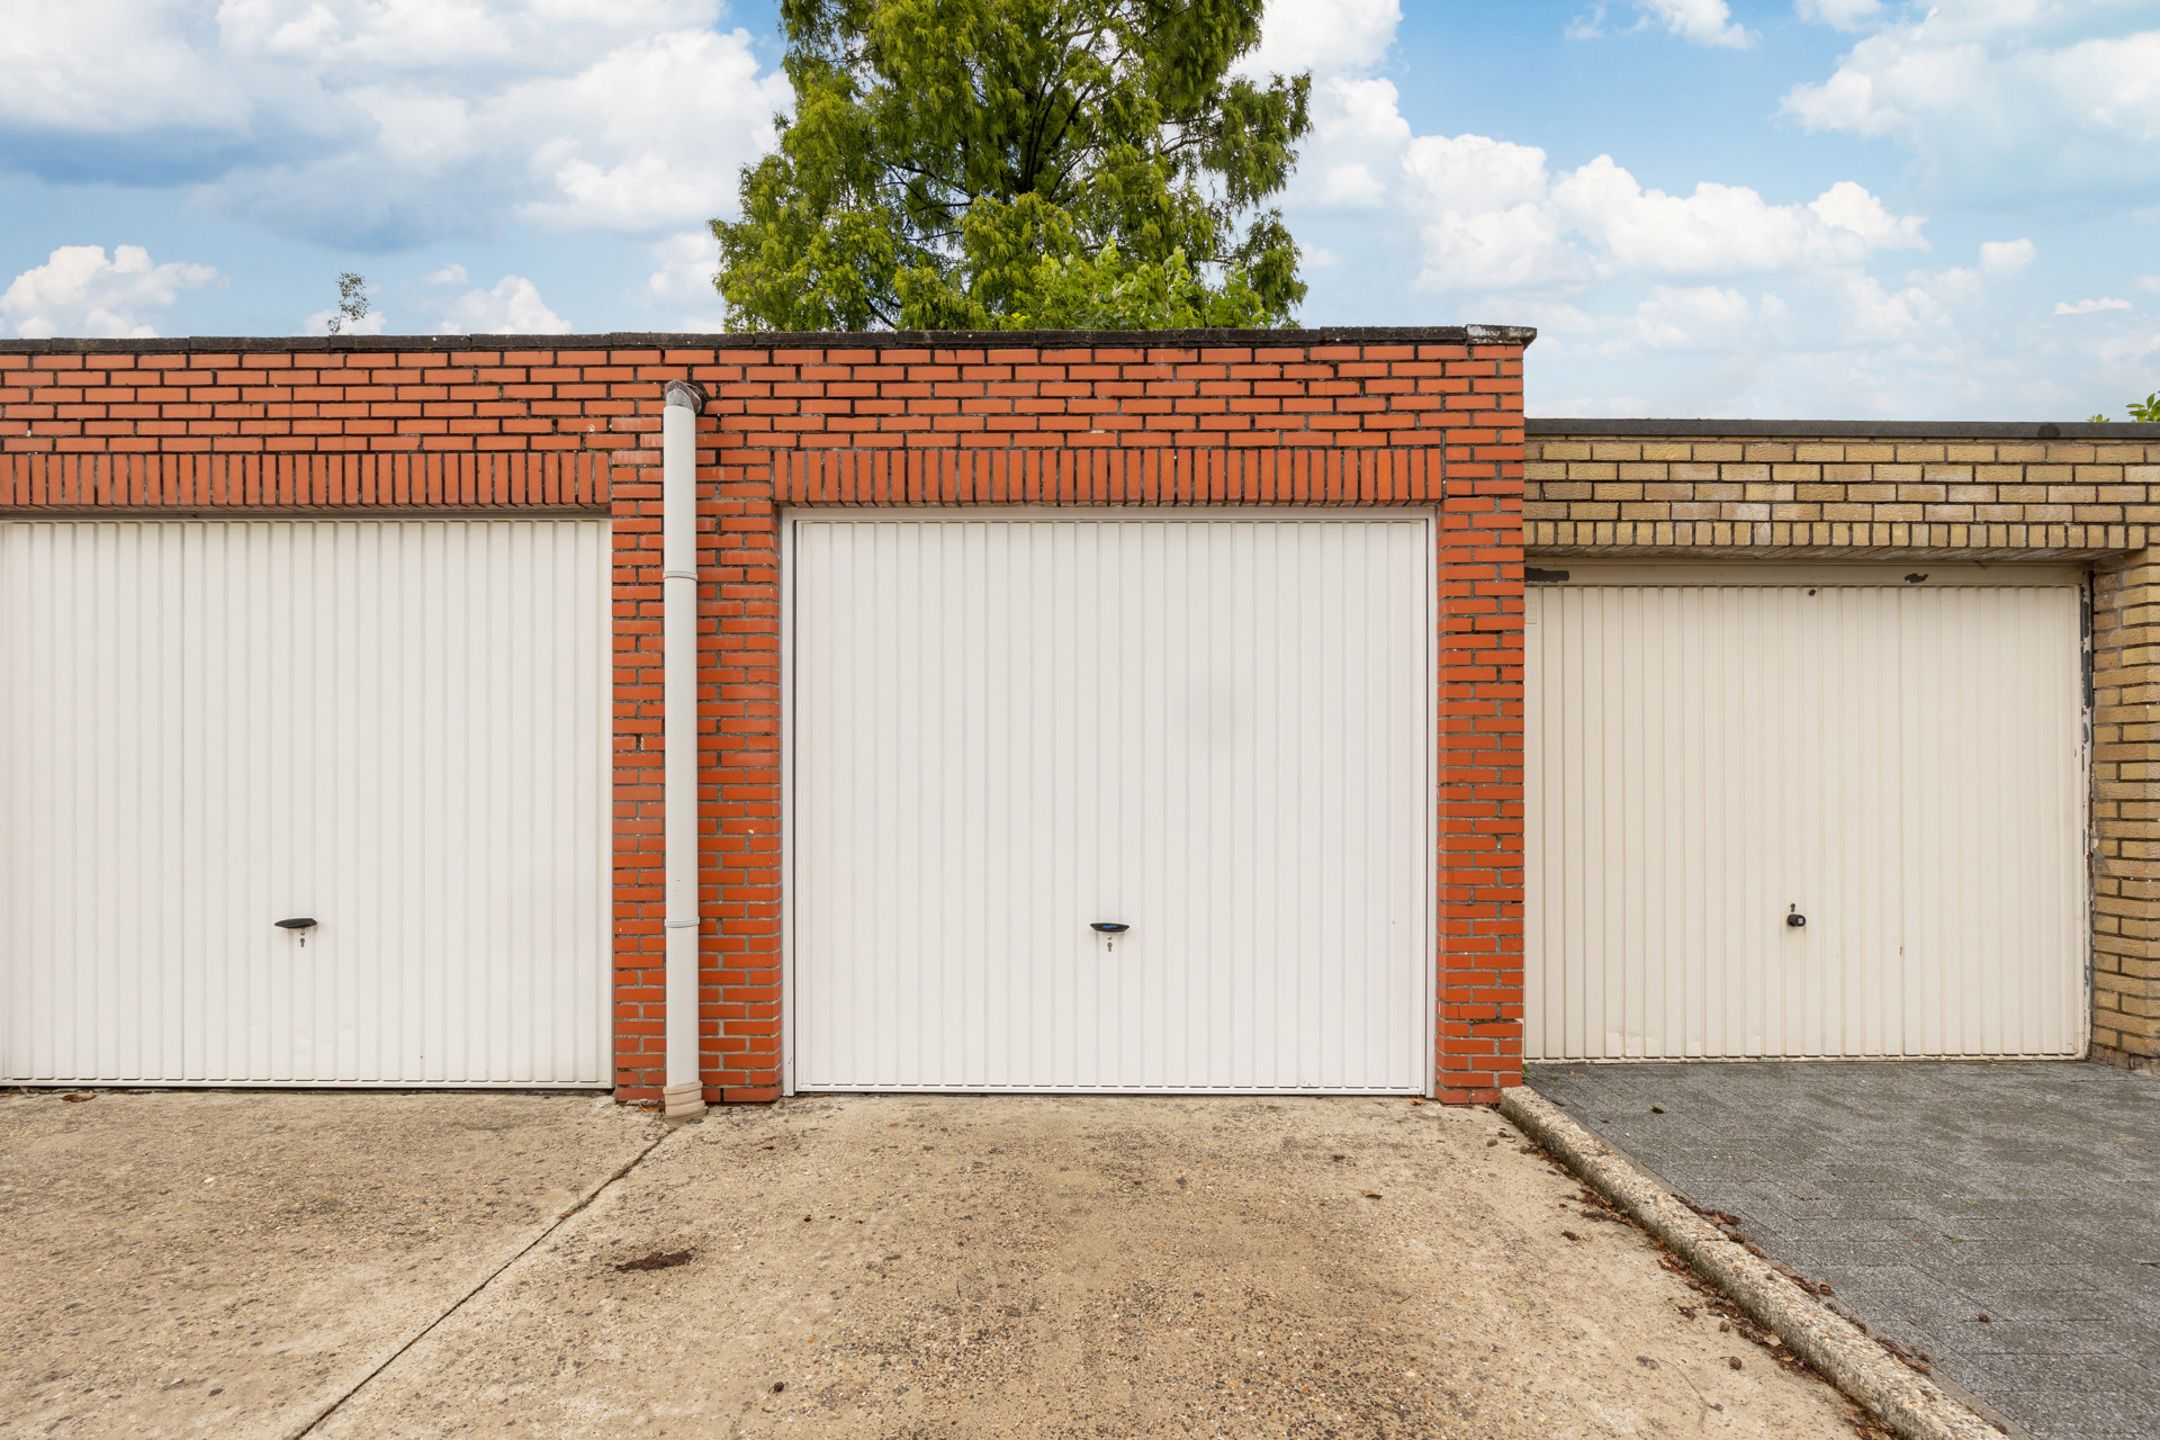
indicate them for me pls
(1592, 428)
(776, 339)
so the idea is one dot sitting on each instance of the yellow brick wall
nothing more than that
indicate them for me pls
(2126, 809)
(2095, 500)
(1592, 494)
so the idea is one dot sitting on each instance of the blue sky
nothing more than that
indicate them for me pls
(1709, 207)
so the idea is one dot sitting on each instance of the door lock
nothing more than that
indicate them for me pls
(1794, 919)
(1109, 930)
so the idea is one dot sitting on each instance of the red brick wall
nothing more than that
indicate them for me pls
(1423, 418)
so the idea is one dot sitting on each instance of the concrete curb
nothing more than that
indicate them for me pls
(1909, 1403)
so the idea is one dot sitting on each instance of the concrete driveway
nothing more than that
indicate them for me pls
(827, 1266)
(201, 1263)
(2002, 1220)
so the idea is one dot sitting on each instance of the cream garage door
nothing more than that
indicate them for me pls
(397, 729)
(1215, 731)
(1798, 811)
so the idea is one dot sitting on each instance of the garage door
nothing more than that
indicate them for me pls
(396, 729)
(1805, 812)
(1216, 732)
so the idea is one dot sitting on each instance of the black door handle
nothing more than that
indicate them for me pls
(1109, 927)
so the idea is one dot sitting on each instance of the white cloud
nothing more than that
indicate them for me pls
(1352, 186)
(2004, 96)
(1871, 312)
(1327, 37)
(1589, 25)
(1840, 14)
(1471, 173)
(1848, 207)
(2090, 307)
(111, 68)
(1718, 295)
(650, 135)
(1667, 320)
(1833, 340)
(2150, 284)
(1356, 127)
(1704, 22)
(1700, 317)
(1490, 215)
(684, 266)
(451, 274)
(1928, 304)
(80, 291)
(682, 280)
(1723, 229)
(513, 307)
(370, 36)
(1494, 218)
(384, 122)
(2006, 257)
(1518, 248)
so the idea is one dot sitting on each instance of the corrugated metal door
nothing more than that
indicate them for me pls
(1899, 763)
(399, 728)
(1216, 731)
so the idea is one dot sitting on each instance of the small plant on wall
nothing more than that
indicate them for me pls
(2147, 410)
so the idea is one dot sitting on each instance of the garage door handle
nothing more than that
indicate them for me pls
(298, 922)
(1110, 927)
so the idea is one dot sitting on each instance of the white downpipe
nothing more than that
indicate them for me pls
(684, 1094)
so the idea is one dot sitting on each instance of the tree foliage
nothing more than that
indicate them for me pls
(1009, 164)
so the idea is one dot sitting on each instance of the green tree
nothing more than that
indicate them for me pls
(1013, 164)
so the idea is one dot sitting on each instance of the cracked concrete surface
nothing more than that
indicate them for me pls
(916, 1266)
(1091, 1267)
(196, 1263)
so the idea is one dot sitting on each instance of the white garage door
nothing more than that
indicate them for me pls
(1894, 757)
(1215, 731)
(398, 729)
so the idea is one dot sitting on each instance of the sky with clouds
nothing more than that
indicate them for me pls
(1778, 208)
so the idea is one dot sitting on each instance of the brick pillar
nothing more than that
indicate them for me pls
(1480, 1023)
(2126, 812)
(740, 645)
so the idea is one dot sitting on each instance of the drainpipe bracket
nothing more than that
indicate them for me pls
(688, 393)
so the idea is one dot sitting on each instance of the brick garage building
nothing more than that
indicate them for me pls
(337, 723)
(1971, 824)
(1835, 740)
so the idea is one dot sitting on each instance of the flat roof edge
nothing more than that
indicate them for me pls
(792, 340)
(1846, 429)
